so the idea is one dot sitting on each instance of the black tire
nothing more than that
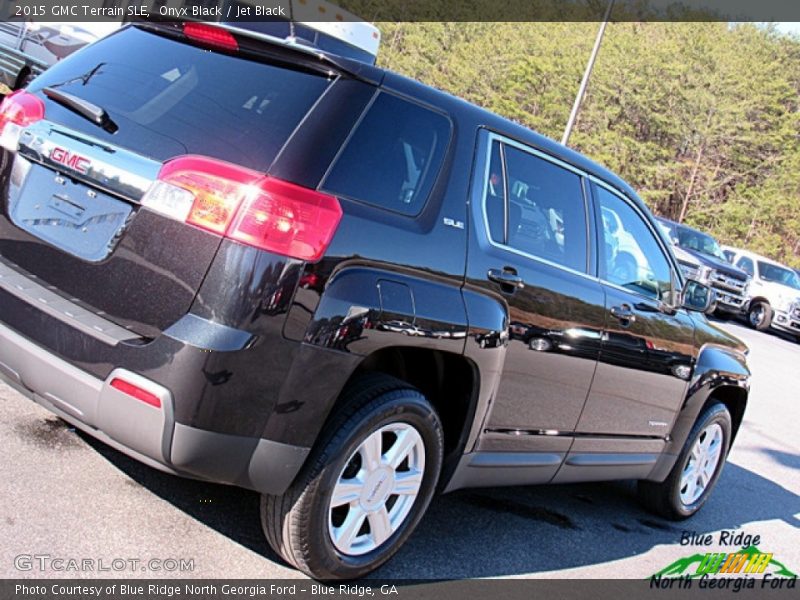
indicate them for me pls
(296, 523)
(663, 498)
(765, 321)
(23, 79)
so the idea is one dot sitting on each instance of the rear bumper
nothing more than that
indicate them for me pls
(142, 431)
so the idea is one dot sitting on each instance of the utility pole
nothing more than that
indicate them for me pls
(585, 81)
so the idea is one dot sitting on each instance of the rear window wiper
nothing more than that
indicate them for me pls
(84, 79)
(92, 112)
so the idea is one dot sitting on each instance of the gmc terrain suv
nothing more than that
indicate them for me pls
(702, 259)
(258, 264)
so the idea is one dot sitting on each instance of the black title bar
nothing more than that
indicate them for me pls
(401, 10)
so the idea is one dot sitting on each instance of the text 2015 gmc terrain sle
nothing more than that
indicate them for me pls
(238, 260)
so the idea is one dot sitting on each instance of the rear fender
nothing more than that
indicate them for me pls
(363, 309)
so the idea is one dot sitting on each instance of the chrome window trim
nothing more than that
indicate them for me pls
(504, 166)
(622, 288)
(589, 201)
(502, 140)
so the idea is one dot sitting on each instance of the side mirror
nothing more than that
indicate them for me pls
(697, 297)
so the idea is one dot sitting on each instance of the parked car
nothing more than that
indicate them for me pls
(701, 258)
(28, 48)
(774, 299)
(209, 237)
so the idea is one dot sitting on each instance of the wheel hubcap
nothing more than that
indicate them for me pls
(757, 315)
(703, 460)
(376, 489)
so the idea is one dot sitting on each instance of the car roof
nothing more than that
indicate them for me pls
(755, 256)
(683, 226)
(492, 121)
(453, 105)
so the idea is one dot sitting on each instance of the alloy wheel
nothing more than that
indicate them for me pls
(702, 464)
(376, 489)
(757, 315)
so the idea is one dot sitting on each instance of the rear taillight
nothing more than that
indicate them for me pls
(246, 206)
(17, 111)
(210, 36)
(20, 108)
(134, 391)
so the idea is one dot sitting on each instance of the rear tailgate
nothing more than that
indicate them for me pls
(70, 214)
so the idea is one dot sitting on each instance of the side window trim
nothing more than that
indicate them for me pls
(593, 234)
(504, 167)
(503, 141)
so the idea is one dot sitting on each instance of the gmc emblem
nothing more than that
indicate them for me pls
(76, 162)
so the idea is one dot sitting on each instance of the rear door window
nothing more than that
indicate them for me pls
(393, 157)
(536, 207)
(172, 98)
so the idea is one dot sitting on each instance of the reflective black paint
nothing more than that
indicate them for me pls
(286, 336)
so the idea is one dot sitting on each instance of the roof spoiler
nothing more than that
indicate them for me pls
(282, 49)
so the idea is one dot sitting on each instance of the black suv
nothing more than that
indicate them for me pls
(243, 261)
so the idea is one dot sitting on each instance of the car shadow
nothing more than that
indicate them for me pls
(500, 531)
(231, 511)
(787, 459)
(489, 533)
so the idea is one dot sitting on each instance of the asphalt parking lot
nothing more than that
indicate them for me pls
(66, 495)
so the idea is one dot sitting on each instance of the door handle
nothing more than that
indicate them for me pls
(506, 277)
(624, 313)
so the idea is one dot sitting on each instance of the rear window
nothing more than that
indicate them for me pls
(393, 157)
(172, 98)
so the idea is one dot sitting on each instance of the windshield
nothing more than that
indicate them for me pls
(776, 274)
(667, 230)
(699, 242)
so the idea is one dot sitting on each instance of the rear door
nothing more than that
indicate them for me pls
(530, 250)
(70, 213)
(648, 348)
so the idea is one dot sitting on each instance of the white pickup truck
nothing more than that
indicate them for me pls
(774, 292)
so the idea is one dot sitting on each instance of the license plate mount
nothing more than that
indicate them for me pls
(68, 214)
